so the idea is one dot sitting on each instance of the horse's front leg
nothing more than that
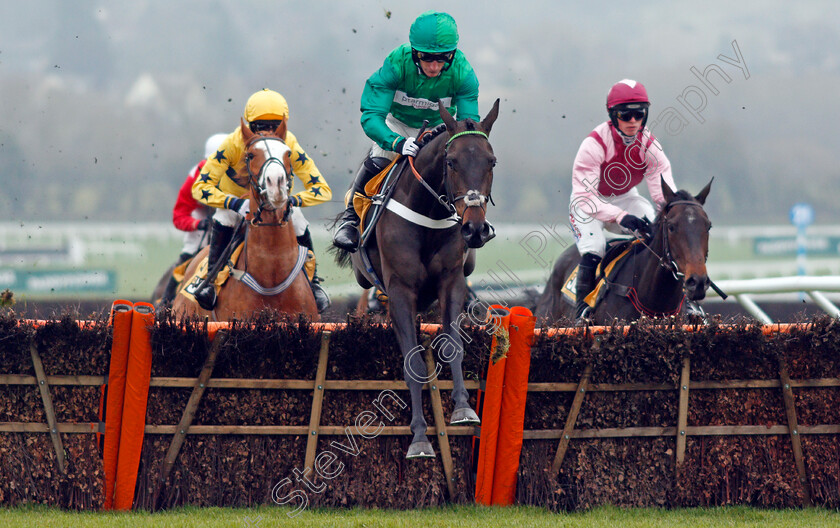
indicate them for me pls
(402, 301)
(450, 347)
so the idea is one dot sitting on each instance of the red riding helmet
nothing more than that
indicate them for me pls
(626, 91)
(627, 94)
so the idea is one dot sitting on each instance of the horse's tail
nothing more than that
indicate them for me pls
(342, 256)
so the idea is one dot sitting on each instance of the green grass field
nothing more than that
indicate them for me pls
(606, 517)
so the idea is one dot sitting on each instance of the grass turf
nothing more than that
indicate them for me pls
(42, 516)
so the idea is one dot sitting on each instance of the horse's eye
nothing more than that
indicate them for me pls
(710, 227)
(450, 163)
(671, 228)
(493, 162)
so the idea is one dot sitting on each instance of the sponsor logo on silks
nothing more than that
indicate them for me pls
(575, 229)
(419, 103)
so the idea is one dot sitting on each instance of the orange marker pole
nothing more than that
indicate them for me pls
(498, 316)
(121, 315)
(512, 416)
(139, 372)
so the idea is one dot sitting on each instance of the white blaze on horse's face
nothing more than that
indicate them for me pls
(274, 176)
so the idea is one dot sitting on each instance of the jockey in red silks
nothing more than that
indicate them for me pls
(190, 216)
(613, 159)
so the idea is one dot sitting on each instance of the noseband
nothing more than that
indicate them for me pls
(256, 181)
(472, 198)
(666, 260)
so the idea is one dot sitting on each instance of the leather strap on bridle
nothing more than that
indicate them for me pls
(252, 180)
(472, 198)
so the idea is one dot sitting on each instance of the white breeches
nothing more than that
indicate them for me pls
(229, 218)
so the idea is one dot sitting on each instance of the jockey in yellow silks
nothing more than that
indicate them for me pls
(264, 111)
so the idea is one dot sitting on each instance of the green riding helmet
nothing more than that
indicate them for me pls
(433, 37)
(434, 32)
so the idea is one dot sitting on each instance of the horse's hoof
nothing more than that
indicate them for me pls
(420, 450)
(465, 416)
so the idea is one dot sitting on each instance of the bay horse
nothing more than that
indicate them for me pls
(416, 254)
(657, 277)
(271, 260)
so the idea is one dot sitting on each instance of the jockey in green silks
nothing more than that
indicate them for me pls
(403, 93)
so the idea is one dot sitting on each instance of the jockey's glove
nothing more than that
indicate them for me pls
(202, 225)
(407, 147)
(432, 133)
(635, 224)
(245, 207)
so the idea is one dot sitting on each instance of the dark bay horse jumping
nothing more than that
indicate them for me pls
(656, 278)
(270, 274)
(417, 253)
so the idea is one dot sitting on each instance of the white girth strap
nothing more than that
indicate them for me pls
(246, 278)
(416, 218)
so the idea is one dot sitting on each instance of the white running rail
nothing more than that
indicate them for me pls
(743, 290)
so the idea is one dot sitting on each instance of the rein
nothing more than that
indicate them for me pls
(256, 221)
(472, 198)
(666, 260)
(243, 275)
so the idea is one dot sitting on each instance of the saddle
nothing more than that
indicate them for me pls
(617, 251)
(201, 273)
(376, 190)
(362, 203)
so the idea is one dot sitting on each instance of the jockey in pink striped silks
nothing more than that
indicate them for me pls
(612, 160)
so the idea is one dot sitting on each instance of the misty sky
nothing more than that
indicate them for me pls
(180, 71)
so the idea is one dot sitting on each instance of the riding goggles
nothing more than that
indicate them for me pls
(436, 57)
(264, 125)
(627, 115)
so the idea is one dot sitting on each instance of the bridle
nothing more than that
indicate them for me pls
(666, 260)
(257, 181)
(472, 198)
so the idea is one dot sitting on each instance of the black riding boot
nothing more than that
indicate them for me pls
(322, 300)
(347, 235)
(171, 286)
(585, 285)
(220, 237)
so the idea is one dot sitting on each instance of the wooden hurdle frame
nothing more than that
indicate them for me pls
(681, 431)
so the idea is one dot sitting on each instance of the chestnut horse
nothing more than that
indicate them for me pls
(271, 260)
(417, 253)
(657, 278)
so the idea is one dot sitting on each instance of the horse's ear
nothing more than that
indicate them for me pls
(448, 120)
(490, 118)
(246, 132)
(701, 196)
(667, 192)
(281, 130)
